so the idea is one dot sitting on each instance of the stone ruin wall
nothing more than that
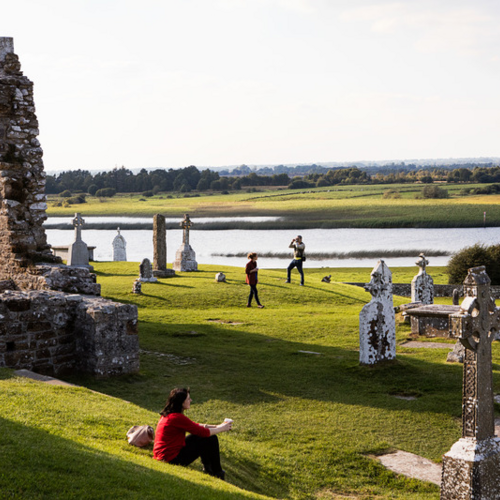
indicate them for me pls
(54, 333)
(45, 325)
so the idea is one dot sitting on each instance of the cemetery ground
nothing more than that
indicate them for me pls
(335, 206)
(308, 418)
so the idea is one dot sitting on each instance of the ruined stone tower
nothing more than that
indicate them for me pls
(22, 180)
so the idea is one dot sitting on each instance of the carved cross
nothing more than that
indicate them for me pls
(476, 325)
(78, 222)
(186, 225)
(422, 263)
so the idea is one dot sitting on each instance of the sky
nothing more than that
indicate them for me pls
(173, 83)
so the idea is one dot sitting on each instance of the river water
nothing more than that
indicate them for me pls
(208, 243)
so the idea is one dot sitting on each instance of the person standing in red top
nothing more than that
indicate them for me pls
(251, 272)
(171, 444)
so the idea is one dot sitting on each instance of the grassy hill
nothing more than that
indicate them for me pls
(306, 423)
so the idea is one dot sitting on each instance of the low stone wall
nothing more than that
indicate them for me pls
(404, 289)
(54, 333)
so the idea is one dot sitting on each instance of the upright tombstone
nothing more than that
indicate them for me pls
(471, 468)
(146, 272)
(185, 258)
(160, 248)
(119, 248)
(78, 252)
(377, 321)
(422, 285)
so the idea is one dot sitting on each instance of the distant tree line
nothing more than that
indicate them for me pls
(150, 182)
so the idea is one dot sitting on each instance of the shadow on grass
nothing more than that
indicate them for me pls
(223, 360)
(55, 467)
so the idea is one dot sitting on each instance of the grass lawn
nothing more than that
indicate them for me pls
(339, 206)
(304, 423)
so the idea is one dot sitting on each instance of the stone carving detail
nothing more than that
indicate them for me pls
(185, 257)
(160, 248)
(146, 272)
(470, 468)
(377, 322)
(422, 285)
(78, 252)
(119, 248)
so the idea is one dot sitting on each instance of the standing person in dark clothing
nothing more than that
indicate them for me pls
(172, 445)
(251, 270)
(298, 257)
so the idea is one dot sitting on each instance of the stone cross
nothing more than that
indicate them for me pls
(78, 223)
(186, 226)
(470, 468)
(422, 285)
(377, 322)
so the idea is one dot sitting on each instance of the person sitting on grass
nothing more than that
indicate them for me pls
(251, 270)
(171, 444)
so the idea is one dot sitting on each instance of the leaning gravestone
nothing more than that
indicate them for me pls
(160, 248)
(146, 272)
(377, 322)
(471, 468)
(185, 258)
(119, 248)
(78, 252)
(422, 285)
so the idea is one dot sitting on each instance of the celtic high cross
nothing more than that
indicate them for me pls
(186, 226)
(476, 325)
(78, 223)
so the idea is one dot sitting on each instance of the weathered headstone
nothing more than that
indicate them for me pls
(78, 252)
(185, 257)
(119, 248)
(137, 287)
(220, 278)
(146, 272)
(377, 322)
(471, 467)
(456, 296)
(422, 285)
(160, 248)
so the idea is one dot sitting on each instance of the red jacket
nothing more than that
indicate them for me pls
(251, 277)
(170, 435)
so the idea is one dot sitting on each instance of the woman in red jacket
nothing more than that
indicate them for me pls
(172, 445)
(251, 272)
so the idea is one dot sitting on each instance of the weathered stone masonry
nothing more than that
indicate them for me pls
(45, 324)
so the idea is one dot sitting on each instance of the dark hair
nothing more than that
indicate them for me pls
(251, 255)
(175, 401)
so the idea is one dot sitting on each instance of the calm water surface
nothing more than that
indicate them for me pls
(208, 243)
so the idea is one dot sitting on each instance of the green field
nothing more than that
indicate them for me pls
(344, 206)
(305, 426)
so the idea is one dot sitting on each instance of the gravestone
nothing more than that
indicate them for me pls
(377, 322)
(146, 272)
(137, 287)
(220, 278)
(422, 285)
(471, 467)
(160, 248)
(185, 257)
(78, 252)
(119, 248)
